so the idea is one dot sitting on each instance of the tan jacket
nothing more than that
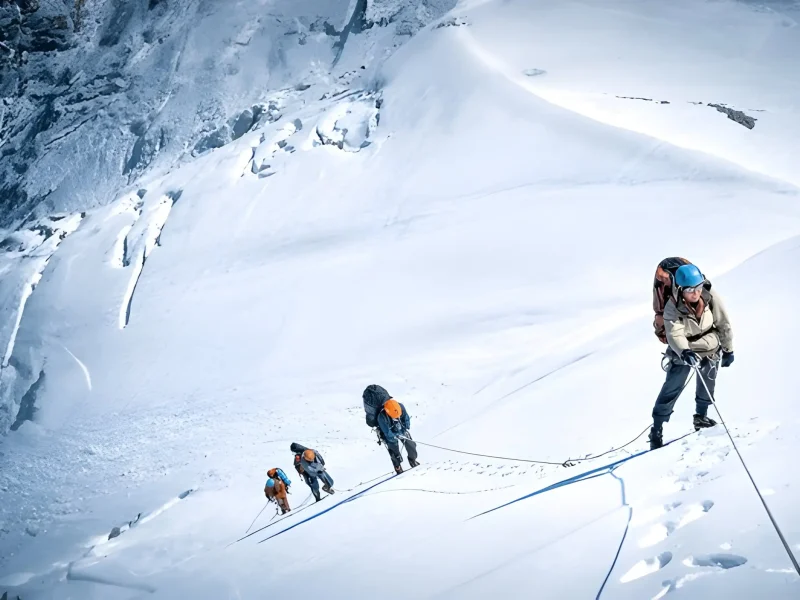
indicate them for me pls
(705, 334)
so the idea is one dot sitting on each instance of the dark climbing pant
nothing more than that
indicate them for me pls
(313, 482)
(677, 373)
(394, 450)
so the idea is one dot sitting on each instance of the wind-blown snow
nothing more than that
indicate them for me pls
(480, 241)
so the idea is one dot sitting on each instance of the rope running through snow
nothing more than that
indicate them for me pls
(755, 486)
(567, 463)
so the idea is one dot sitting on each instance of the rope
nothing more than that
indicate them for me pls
(577, 460)
(567, 463)
(330, 508)
(525, 460)
(299, 509)
(270, 524)
(755, 486)
(586, 475)
(366, 482)
(624, 533)
(258, 515)
(505, 487)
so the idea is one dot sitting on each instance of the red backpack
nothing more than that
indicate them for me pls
(662, 289)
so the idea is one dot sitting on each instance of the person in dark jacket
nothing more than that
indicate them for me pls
(311, 466)
(393, 425)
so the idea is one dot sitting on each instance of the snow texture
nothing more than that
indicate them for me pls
(472, 220)
(97, 95)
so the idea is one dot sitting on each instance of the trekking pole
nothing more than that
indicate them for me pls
(764, 502)
(256, 519)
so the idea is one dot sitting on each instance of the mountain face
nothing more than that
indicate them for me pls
(303, 199)
(96, 94)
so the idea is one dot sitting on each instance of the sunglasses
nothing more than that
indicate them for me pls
(690, 290)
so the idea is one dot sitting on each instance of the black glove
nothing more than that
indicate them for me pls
(727, 359)
(690, 358)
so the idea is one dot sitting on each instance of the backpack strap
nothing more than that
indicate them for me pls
(662, 290)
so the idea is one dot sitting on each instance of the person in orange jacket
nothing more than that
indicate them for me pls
(277, 473)
(275, 491)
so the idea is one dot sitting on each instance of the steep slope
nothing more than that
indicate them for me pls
(97, 94)
(483, 251)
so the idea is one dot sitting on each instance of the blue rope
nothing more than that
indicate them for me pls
(624, 534)
(329, 509)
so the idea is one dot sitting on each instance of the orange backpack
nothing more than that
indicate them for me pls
(662, 289)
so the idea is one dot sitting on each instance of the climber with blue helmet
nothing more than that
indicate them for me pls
(698, 333)
(275, 491)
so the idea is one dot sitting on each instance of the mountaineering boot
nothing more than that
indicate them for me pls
(398, 469)
(656, 438)
(317, 496)
(327, 488)
(702, 422)
(413, 463)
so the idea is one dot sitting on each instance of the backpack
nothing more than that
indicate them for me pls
(374, 398)
(662, 290)
(298, 450)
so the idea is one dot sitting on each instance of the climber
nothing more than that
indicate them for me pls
(275, 491)
(393, 425)
(277, 473)
(699, 335)
(310, 464)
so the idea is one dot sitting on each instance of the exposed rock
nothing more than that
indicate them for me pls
(45, 27)
(97, 93)
(117, 23)
(10, 21)
(644, 99)
(736, 115)
(27, 6)
(144, 151)
(27, 407)
(215, 139)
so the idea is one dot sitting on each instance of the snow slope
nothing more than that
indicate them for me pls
(477, 236)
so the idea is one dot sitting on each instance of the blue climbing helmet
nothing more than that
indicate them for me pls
(270, 482)
(688, 276)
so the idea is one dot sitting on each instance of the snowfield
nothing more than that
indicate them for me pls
(473, 224)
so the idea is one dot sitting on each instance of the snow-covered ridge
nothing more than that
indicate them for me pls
(24, 256)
